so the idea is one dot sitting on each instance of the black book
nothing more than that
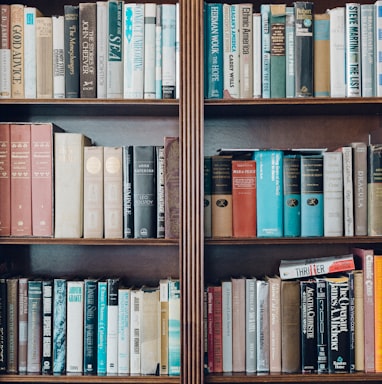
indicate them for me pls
(47, 326)
(3, 325)
(128, 204)
(322, 326)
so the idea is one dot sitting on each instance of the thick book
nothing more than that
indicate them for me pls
(144, 182)
(269, 190)
(265, 51)
(312, 199)
(207, 198)
(58, 47)
(112, 326)
(5, 180)
(322, 326)
(163, 298)
(69, 150)
(21, 187)
(171, 186)
(245, 43)
(12, 325)
(17, 51)
(304, 48)
(102, 328)
(5, 51)
(244, 198)
(296, 269)
(250, 325)
(93, 192)
(124, 331)
(47, 326)
(72, 50)
(174, 328)
(368, 55)
(23, 324)
(238, 324)
(128, 205)
(262, 320)
(168, 51)
(102, 45)
(88, 49)
(374, 190)
(59, 325)
(274, 323)
(292, 195)
(112, 196)
(221, 196)
(160, 177)
(149, 51)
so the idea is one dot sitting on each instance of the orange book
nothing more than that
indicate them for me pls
(378, 312)
(244, 198)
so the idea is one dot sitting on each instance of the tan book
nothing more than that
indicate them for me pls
(113, 212)
(93, 192)
(359, 330)
(69, 173)
(163, 288)
(238, 324)
(17, 50)
(44, 57)
(321, 55)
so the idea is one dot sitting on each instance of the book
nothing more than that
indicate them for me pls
(359, 323)
(304, 11)
(207, 201)
(71, 45)
(312, 208)
(377, 312)
(44, 57)
(144, 182)
(353, 49)
(42, 179)
(3, 324)
(269, 190)
(289, 52)
(246, 46)
(221, 196)
(58, 57)
(177, 51)
(296, 269)
(12, 325)
(112, 326)
(123, 331)
(158, 52)
(262, 320)
(227, 325)
(250, 325)
(69, 150)
(149, 50)
(17, 50)
(292, 195)
(135, 331)
(244, 198)
(174, 328)
(210, 330)
(333, 194)
(21, 187)
(23, 324)
(374, 188)
(256, 54)
(217, 340)
(290, 326)
(238, 324)
(59, 325)
(274, 323)
(75, 326)
(351, 322)
(5, 51)
(265, 50)
(160, 176)
(134, 49)
(5, 179)
(102, 328)
(378, 46)
(93, 192)
(102, 46)
(47, 327)
(367, 50)
(128, 205)
(88, 49)
(163, 298)
(347, 166)
(277, 19)
(322, 326)
(112, 196)
(171, 186)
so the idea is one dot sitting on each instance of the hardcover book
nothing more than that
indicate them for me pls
(102, 328)
(47, 326)
(3, 324)
(161, 195)
(256, 27)
(274, 323)
(5, 180)
(58, 46)
(112, 326)
(217, 329)
(23, 324)
(158, 52)
(322, 326)
(251, 325)
(102, 46)
(227, 325)
(359, 321)
(378, 312)
(128, 204)
(124, 331)
(174, 328)
(163, 297)
(17, 50)
(5, 51)
(12, 325)
(210, 330)
(266, 50)
(289, 52)
(246, 50)
(347, 166)
(59, 325)
(367, 50)
(238, 324)
(135, 331)
(262, 320)
(168, 51)
(149, 51)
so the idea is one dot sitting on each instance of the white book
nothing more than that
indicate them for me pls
(30, 60)
(333, 194)
(158, 52)
(246, 47)
(250, 328)
(112, 326)
(378, 45)
(135, 331)
(150, 51)
(75, 326)
(353, 49)
(227, 325)
(168, 51)
(256, 55)
(262, 320)
(58, 57)
(265, 51)
(337, 52)
(102, 44)
(124, 331)
(367, 50)
(347, 159)
(163, 292)
(133, 51)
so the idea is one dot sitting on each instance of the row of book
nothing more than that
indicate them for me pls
(91, 326)
(56, 183)
(105, 49)
(291, 51)
(275, 193)
(319, 324)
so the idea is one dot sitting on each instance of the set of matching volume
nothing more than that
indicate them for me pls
(103, 49)
(96, 327)
(56, 183)
(277, 193)
(281, 50)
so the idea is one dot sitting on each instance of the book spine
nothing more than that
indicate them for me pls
(102, 328)
(128, 205)
(23, 325)
(266, 50)
(378, 45)
(256, 58)
(251, 326)
(210, 330)
(227, 325)
(217, 339)
(367, 50)
(5, 180)
(30, 62)
(112, 326)
(59, 325)
(238, 324)
(374, 189)
(353, 50)
(102, 44)
(115, 50)
(5, 52)
(290, 76)
(3, 325)
(359, 322)
(274, 324)
(262, 320)
(58, 57)
(246, 48)
(47, 327)
(17, 51)
(378, 312)
(304, 48)
(351, 323)
(123, 331)
(347, 156)
(71, 45)
(88, 49)
(149, 51)
(207, 196)
(135, 332)
(158, 52)
(160, 164)
(163, 297)
(174, 353)
(322, 326)
(12, 325)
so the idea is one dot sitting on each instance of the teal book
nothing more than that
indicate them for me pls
(269, 184)
(312, 201)
(59, 326)
(289, 52)
(102, 328)
(292, 195)
(174, 328)
(278, 58)
(214, 50)
(265, 50)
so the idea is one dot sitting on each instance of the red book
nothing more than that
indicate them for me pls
(21, 188)
(244, 198)
(5, 181)
(42, 179)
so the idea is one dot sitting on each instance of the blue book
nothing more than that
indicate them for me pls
(174, 328)
(102, 328)
(59, 326)
(214, 50)
(312, 202)
(292, 195)
(266, 50)
(269, 186)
